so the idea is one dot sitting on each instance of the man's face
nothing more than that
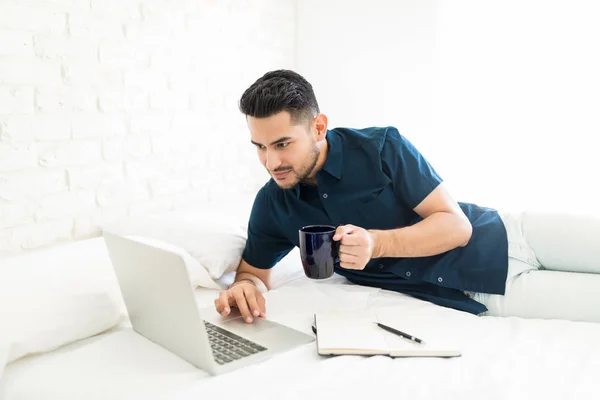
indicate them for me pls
(288, 152)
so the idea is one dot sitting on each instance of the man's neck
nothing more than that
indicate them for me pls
(324, 149)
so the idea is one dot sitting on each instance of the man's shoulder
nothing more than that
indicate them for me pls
(371, 136)
(267, 190)
(267, 193)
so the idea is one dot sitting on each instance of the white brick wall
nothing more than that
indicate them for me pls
(111, 108)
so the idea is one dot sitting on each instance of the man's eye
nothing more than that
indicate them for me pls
(283, 145)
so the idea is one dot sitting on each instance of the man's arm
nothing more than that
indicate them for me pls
(258, 276)
(415, 183)
(246, 293)
(265, 246)
(444, 227)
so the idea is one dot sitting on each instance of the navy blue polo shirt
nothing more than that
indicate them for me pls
(374, 178)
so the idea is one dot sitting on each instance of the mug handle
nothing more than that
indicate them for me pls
(336, 245)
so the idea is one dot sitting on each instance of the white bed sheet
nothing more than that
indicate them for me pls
(503, 358)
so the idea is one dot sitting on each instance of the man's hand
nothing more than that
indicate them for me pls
(356, 246)
(245, 296)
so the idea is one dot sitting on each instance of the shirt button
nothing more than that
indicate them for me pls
(408, 273)
(325, 195)
(440, 279)
(380, 266)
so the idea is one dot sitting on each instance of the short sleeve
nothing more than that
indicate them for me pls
(266, 245)
(412, 176)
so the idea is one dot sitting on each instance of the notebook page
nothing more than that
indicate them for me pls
(423, 326)
(350, 330)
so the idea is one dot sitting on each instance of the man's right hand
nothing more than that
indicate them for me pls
(246, 297)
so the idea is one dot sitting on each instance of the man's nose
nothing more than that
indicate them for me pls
(273, 161)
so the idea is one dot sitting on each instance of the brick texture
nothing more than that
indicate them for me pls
(110, 108)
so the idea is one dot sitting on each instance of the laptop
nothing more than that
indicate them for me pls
(162, 307)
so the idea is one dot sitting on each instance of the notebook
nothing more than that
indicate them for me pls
(356, 333)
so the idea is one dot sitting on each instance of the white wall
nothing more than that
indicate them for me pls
(501, 96)
(111, 108)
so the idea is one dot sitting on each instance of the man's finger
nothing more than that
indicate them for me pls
(348, 258)
(348, 265)
(224, 304)
(242, 305)
(343, 230)
(350, 239)
(261, 305)
(352, 250)
(251, 298)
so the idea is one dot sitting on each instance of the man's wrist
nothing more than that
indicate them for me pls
(242, 281)
(378, 237)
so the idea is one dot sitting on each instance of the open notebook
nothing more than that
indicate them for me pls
(355, 333)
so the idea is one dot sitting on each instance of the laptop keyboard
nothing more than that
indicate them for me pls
(227, 346)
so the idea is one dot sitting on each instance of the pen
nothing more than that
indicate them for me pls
(399, 333)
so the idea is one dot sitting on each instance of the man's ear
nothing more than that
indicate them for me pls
(320, 126)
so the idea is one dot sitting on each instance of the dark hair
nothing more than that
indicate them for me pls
(277, 91)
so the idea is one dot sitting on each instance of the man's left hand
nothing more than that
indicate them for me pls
(356, 246)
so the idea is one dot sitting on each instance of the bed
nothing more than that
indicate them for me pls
(502, 358)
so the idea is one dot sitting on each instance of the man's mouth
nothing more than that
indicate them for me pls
(281, 175)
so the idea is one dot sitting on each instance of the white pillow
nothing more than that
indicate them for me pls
(53, 296)
(35, 322)
(215, 238)
(198, 275)
(288, 269)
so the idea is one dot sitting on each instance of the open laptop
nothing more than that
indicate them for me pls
(162, 307)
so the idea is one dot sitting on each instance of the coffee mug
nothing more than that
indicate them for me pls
(318, 250)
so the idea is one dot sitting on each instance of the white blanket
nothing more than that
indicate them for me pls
(503, 358)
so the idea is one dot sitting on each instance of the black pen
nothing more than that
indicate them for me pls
(399, 333)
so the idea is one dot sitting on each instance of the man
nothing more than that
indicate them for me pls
(399, 228)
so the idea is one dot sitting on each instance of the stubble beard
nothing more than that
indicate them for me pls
(306, 170)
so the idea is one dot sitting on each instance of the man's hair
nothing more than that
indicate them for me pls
(277, 91)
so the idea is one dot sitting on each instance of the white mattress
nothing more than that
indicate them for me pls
(503, 358)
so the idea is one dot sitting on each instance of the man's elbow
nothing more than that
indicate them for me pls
(465, 229)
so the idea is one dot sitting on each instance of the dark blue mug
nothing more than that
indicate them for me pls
(318, 250)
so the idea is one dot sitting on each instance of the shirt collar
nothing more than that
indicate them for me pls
(333, 163)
